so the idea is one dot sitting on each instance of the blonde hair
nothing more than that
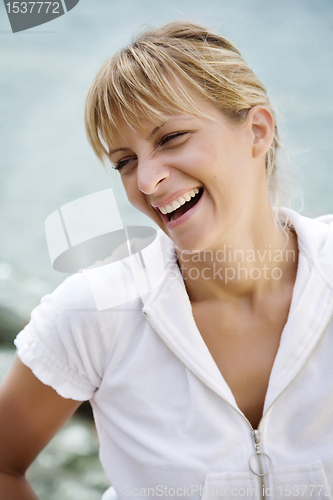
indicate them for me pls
(163, 72)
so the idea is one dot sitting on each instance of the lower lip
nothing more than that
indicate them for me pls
(183, 218)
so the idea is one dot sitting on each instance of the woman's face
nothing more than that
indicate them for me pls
(200, 170)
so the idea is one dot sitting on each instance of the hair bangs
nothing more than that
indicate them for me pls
(135, 86)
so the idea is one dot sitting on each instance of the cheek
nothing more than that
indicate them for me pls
(141, 204)
(226, 170)
(137, 198)
(201, 163)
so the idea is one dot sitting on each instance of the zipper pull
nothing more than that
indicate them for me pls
(256, 439)
(259, 463)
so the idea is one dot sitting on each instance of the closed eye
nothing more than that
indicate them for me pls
(119, 165)
(122, 163)
(169, 137)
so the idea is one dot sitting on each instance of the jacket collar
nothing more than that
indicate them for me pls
(169, 311)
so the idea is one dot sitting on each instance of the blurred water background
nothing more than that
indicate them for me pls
(47, 162)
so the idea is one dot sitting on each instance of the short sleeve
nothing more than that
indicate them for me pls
(66, 340)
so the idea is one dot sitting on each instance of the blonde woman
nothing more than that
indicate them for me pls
(217, 382)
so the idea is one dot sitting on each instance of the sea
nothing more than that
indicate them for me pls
(45, 74)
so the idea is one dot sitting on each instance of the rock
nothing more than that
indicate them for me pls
(68, 468)
(10, 325)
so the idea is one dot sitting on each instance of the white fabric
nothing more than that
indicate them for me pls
(165, 417)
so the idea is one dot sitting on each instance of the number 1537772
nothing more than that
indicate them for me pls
(32, 7)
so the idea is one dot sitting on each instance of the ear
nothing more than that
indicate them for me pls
(261, 122)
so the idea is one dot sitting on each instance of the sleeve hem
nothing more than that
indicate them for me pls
(49, 369)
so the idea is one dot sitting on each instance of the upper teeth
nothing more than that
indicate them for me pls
(178, 202)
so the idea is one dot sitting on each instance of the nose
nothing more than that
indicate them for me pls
(151, 172)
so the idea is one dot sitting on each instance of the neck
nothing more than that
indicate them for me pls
(243, 267)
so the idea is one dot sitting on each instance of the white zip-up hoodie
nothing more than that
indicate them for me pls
(168, 423)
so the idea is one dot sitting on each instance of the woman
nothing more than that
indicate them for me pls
(218, 381)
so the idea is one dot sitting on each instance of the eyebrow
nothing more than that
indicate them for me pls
(119, 149)
(156, 129)
(150, 136)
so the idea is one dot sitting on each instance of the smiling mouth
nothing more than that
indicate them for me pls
(186, 207)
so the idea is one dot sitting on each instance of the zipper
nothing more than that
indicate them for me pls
(207, 384)
(259, 456)
(255, 433)
(256, 440)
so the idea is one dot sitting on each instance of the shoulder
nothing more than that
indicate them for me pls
(75, 331)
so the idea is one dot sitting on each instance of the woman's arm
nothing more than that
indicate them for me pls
(30, 414)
